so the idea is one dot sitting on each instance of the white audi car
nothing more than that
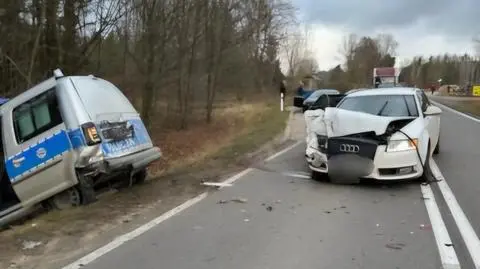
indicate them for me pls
(382, 134)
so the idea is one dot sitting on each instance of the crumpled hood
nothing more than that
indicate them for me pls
(340, 122)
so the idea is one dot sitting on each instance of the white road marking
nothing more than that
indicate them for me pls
(466, 230)
(236, 177)
(296, 175)
(122, 239)
(283, 151)
(456, 111)
(217, 184)
(447, 253)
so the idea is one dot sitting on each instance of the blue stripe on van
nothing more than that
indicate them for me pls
(37, 155)
(76, 138)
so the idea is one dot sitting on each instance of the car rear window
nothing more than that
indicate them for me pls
(382, 105)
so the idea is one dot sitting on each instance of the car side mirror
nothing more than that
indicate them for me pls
(432, 111)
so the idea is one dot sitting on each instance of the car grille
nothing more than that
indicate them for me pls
(351, 145)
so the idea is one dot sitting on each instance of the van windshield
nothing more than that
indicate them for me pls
(102, 99)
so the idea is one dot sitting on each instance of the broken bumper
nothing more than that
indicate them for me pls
(386, 165)
(135, 161)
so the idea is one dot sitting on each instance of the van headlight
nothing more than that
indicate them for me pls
(402, 145)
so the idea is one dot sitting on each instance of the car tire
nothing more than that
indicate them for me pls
(437, 147)
(427, 175)
(320, 177)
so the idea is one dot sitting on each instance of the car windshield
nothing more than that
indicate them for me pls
(382, 105)
(335, 99)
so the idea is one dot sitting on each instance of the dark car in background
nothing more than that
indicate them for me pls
(320, 99)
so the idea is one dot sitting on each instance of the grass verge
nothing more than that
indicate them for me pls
(205, 153)
(470, 107)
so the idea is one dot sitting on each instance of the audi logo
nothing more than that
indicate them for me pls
(349, 148)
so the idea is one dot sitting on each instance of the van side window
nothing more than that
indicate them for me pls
(36, 116)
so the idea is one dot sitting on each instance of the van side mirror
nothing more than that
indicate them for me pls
(432, 111)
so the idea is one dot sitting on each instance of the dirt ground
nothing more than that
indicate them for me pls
(53, 239)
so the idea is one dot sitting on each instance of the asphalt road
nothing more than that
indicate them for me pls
(282, 219)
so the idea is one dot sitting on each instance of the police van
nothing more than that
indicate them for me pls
(65, 136)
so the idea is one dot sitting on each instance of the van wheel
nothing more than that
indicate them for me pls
(140, 176)
(66, 199)
(85, 184)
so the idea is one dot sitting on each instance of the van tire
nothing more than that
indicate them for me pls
(140, 176)
(66, 199)
(87, 192)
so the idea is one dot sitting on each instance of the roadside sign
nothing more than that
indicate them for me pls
(476, 90)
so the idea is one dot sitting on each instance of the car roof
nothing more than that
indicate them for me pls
(384, 91)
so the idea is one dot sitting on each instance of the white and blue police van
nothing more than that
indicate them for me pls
(65, 136)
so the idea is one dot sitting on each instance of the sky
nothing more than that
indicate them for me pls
(421, 27)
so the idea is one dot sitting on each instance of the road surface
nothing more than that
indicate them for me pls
(273, 216)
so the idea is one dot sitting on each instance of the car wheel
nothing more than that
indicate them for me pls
(437, 147)
(320, 177)
(427, 171)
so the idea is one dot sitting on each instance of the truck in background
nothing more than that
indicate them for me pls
(384, 77)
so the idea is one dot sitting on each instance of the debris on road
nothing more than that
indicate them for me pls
(30, 244)
(239, 200)
(246, 220)
(235, 200)
(449, 245)
(217, 184)
(269, 208)
(425, 227)
(395, 246)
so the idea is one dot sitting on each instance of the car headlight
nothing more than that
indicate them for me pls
(402, 145)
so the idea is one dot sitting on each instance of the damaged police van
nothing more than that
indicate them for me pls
(381, 134)
(65, 136)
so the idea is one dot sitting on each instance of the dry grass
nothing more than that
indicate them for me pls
(469, 106)
(186, 147)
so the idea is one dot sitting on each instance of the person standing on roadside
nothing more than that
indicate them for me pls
(283, 88)
(283, 91)
(300, 90)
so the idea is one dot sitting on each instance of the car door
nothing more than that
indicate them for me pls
(38, 162)
(432, 123)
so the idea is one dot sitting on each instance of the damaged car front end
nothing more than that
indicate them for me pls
(376, 136)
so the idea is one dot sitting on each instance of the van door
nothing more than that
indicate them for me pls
(8, 197)
(38, 160)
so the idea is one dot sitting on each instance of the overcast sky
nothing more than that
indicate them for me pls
(421, 27)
